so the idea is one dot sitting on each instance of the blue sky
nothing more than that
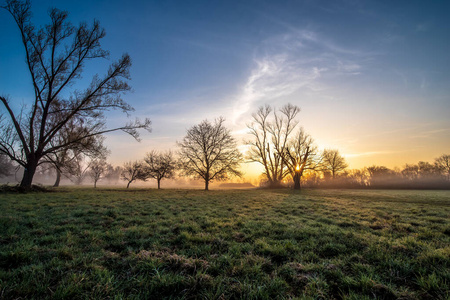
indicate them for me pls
(371, 77)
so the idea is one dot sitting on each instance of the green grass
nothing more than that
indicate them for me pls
(252, 244)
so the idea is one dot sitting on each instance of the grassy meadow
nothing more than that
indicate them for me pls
(83, 243)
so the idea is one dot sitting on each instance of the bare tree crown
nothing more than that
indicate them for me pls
(56, 55)
(208, 151)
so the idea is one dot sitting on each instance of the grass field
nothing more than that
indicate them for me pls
(252, 244)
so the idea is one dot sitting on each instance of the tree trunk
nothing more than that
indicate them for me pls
(58, 178)
(95, 184)
(128, 185)
(28, 174)
(297, 181)
(274, 184)
(159, 184)
(206, 185)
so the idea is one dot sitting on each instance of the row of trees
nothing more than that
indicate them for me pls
(285, 150)
(155, 165)
(421, 175)
(208, 152)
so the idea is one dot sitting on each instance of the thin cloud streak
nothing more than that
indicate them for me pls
(294, 61)
(274, 77)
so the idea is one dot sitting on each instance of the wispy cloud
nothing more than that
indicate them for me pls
(297, 60)
(273, 77)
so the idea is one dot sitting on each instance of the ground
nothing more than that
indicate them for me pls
(259, 244)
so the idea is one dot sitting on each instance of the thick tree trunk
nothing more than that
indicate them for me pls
(159, 184)
(206, 185)
(128, 185)
(58, 178)
(28, 174)
(297, 181)
(95, 184)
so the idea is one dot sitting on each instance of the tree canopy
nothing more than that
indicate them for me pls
(56, 55)
(209, 152)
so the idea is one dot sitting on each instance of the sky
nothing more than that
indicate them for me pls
(372, 78)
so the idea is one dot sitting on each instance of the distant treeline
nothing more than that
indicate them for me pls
(422, 175)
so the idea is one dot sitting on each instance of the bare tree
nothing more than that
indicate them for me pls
(160, 165)
(97, 170)
(379, 175)
(427, 170)
(64, 161)
(132, 171)
(209, 152)
(442, 163)
(270, 139)
(359, 177)
(55, 56)
(300, 155)
(410, 172)
(333, 162)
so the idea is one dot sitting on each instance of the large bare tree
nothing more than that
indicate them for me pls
(333, 162)
(271, 131)
(55, 56)
(209, 152)
(160, 165)
(300, 154)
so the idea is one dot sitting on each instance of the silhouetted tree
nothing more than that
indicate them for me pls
(55, 56)
(427, 170)
(333, 162)
(97, 170)
(270, 139)
(132, 171)
(358, 177)
(209, 152)
(63, 162)
(159, 165)
(442, 163)
(380, 176)
(300, 155)
(410, 172)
